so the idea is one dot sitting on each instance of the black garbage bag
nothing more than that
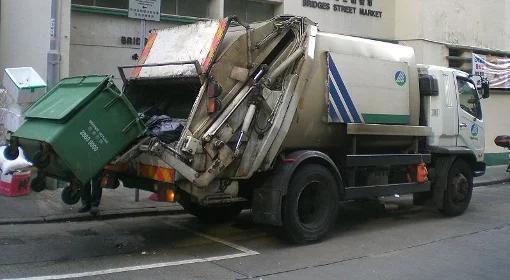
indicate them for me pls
(164, 128)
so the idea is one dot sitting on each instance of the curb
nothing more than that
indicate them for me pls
(104, 215)
(138, 212)
(492, 182)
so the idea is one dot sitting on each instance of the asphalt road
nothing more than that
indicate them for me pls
(368, 242)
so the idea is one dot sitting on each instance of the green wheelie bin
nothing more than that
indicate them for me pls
(74, 130)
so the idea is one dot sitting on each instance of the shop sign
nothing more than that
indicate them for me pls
(495, 68)
(145, 9)
(355, 7)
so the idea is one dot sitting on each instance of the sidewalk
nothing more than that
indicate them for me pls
(493, 175)
(46, 206)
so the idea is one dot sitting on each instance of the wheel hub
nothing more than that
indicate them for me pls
(460, 187)
(310, 206)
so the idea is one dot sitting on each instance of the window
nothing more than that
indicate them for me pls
(169, 7)
(235, 7)
(120, 4)
(468, 98)
(249, 11)
(259, 11)
(194, 8)
(84, 2)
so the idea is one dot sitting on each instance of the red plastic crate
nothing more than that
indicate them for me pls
(17, 184)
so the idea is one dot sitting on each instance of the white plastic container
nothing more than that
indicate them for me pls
(23, 84)
(11, 120)
(4, 99)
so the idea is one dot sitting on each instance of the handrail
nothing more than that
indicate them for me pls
(197, 65)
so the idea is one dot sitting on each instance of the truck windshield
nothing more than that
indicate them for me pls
(468, 98)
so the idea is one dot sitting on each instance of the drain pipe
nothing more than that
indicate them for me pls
(53, 58)
(53, 67)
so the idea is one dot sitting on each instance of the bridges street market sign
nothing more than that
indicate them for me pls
(354, 7)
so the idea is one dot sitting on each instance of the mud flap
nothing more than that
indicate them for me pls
(442, 167)
(266, 206)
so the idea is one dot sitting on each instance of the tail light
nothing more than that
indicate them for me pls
(421, 173)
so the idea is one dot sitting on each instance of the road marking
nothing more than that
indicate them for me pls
(245, 252)
(218, 240)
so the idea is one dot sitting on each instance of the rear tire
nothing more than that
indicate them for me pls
(310, 207)
(459, 189)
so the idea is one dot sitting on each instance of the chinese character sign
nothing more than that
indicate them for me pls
(145, 9)
(494, 68)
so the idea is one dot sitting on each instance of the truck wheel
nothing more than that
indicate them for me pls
(459, 189)
(70, 196)
(310, 207)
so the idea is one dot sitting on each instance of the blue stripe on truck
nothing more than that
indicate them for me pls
(343, 89)
(337, 103)
(333, 116)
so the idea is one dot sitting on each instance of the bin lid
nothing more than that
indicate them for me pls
(67, 97)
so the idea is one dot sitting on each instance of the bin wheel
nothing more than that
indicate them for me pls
(210, 215)
(70, 195)
(310, 207)
(11, 153)
(38, 184)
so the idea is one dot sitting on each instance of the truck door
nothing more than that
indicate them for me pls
(471, 126)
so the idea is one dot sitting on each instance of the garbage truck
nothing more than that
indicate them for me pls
(276, 117)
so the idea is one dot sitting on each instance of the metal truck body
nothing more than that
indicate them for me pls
(282, 97)
(288, 121)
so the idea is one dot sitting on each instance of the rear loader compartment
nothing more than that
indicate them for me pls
(173, 98)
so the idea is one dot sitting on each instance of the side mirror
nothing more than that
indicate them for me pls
(503, 141)
(482, 85)
(428, 86)
(485, 88)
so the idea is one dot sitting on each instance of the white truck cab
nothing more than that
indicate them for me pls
(455, 114)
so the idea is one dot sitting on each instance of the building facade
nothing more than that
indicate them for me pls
(96, 36)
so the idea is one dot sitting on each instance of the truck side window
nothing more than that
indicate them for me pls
(468, 98)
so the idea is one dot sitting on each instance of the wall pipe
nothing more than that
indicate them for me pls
(53, 57)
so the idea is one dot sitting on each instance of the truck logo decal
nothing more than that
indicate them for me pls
(400, 78)
(474, 130)
(341, 108)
